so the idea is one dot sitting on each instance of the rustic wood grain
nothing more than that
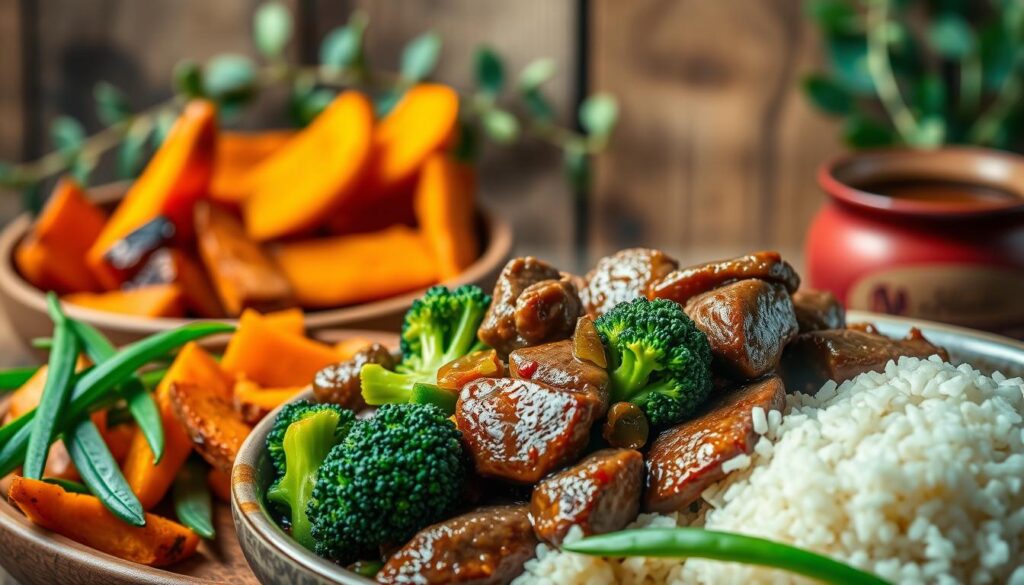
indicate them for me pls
(716, 149)
(524, 182)
(12, 94)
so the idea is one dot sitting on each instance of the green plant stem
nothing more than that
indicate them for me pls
(880, 68)
(985, 128)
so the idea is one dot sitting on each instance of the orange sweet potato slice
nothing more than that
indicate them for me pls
(84, 519)
(243, 274)
(254, 402)
(294, 189)
(352, 269)
(238, 154)
(445, 210)
(158, 300)
(148, 479)
(47, 269)
(291, 321)
(423, 122)
(177, 176)
(273, 358)
(217, 431)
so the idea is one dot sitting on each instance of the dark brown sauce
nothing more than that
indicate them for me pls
(942, 192)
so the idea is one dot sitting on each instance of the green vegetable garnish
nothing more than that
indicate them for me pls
(192, 502)
(14, 378)
(101, 473)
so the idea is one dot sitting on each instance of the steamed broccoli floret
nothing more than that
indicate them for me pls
(392, 475)
(307, 442)
(439, 327)
(660, 361)
(293, 412)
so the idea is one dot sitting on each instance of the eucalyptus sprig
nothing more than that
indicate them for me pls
(490, 109)
(922, 73)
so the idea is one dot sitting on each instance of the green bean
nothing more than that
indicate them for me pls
(722, 546)
(60, 374)
(14, 378)
(42, 343)
(140, 402)
(93, 386)
(152, 378)
(192, 501)
(71, 487)
(423, 393)
(100, 472)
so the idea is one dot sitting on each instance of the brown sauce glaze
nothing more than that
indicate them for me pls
(624, 276)
(682, 285)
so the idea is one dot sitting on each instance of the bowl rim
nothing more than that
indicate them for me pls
(990, 168)
(247, 506)
(497, 251)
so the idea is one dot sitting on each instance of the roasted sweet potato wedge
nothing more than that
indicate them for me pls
(211, 421)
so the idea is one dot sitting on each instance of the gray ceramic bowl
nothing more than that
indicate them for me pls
(25, 304)
(277, 559)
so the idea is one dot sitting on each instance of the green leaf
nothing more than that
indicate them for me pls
(385, 102)
(598, 114)
(343, 47)
(467, 148)
(501, 126)
(111, 105)
(188, 79)
(951, 36)
(132, 149)
(849, 63)
(229, 76)
(930, 95)
(419, 58)
(863, 132)
(931, 133)
(68, 135)
(827, 95)
(997, 53)
(576, 165)
(306, 107)
(272, 29)
(536, 73)
(833, 16)
(490, 72)
(161, 126)
(537, 105)
(82, 168)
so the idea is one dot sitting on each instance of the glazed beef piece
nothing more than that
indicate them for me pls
(486, 546)
(533, 303)
(817, 310)
(682, 285)
(686, 459)
(599, 494)
(519, 430)
(748, 324)
(624, 276)
(339, 383)
(553, 364)
(840, 354)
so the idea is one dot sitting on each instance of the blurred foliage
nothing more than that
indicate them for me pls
(922, 73)
(235, 81)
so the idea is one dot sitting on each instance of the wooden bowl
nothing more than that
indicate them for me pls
(276, 558)
(25, 305)
(35, 556)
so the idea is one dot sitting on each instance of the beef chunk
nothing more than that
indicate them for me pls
(840, 354)
(686, 459)
(520, 430)
(483, 547)
(599, 494)
(682, 285)
(533, 303)
(624, 276)
(748, 323)
(339, 383)
(817, 310)
(553, 364)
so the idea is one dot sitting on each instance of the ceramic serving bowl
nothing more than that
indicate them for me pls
(277, 559)
(25, 305)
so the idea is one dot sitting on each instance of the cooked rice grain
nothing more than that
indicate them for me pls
(914, 473)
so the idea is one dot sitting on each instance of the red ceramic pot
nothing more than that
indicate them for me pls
(936, 234)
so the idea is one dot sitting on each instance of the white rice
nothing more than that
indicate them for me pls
(915, 473)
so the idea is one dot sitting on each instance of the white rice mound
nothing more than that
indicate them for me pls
(914, 474)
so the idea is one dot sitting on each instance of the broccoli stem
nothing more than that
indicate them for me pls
(432, 347)
(464, 336)
(636, 367)
(306, 444)
(382, 386)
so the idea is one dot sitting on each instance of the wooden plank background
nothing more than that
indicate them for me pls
(715, 152)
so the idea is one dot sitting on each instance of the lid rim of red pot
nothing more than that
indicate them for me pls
(844, 193)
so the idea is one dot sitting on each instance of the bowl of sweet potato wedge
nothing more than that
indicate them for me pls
(348, 219)
(115, 461)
